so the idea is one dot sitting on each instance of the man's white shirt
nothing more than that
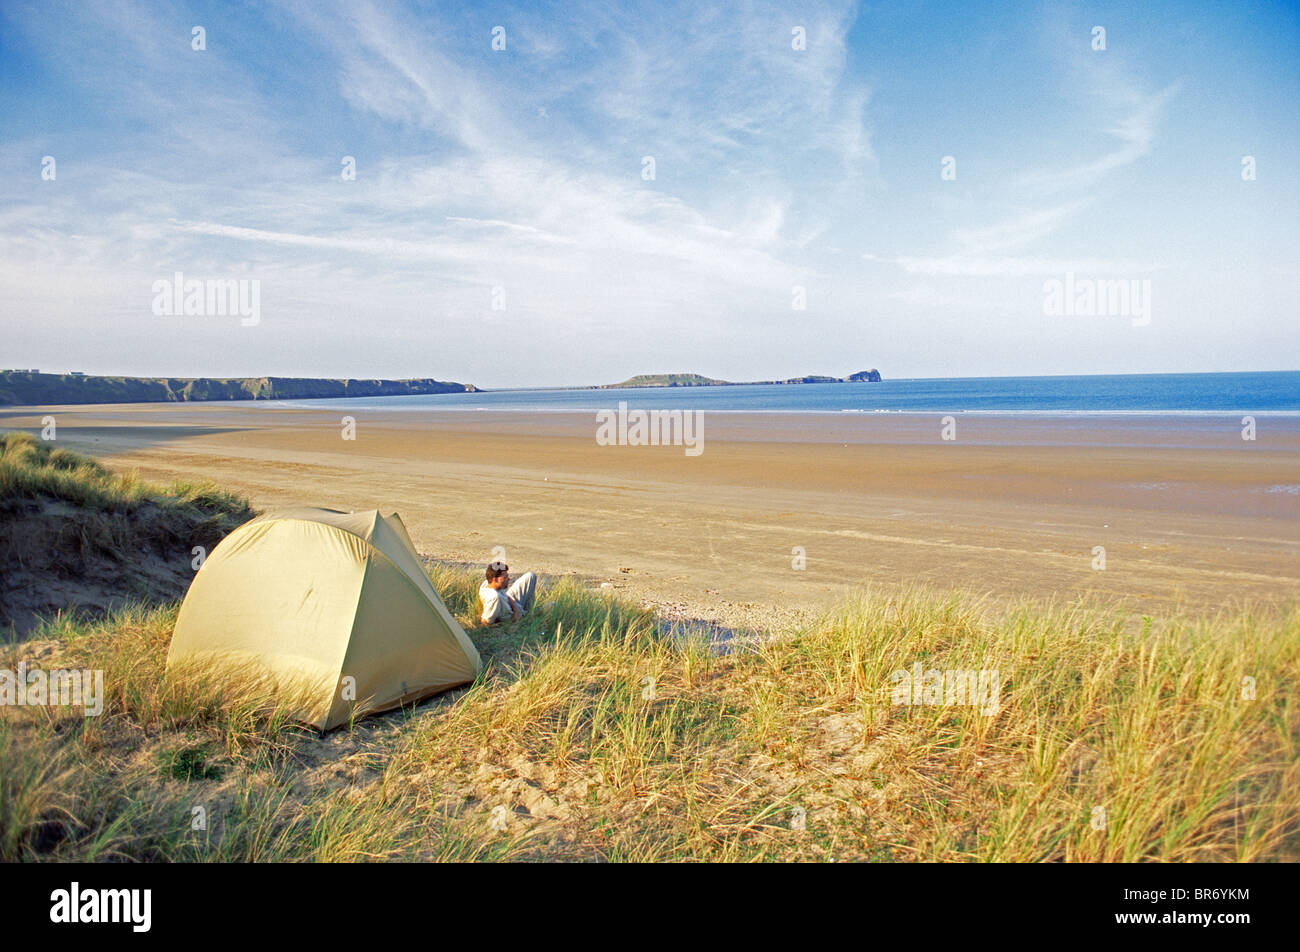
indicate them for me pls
(496, 604)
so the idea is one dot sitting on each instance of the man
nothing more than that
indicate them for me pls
(503, 601)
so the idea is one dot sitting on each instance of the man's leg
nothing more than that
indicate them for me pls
(524, 590)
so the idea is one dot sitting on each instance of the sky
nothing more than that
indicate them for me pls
(747, 191)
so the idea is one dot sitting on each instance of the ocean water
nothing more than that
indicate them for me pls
(1268, 392)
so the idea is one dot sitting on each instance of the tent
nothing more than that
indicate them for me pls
(335, 604)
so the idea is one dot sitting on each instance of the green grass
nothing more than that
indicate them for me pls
(35, 470)
(188, 763)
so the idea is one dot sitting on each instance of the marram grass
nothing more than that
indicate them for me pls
(33, 469)
(590, 736)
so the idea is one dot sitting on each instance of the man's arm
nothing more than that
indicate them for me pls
(491, 608)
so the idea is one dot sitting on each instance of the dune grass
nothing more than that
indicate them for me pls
(33, 469)
(76, 537)
(590, 736)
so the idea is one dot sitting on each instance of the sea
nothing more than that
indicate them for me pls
(1273, 392)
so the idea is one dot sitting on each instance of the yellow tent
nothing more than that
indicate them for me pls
(334, 603)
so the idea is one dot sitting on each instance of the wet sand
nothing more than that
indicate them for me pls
(1187, 511)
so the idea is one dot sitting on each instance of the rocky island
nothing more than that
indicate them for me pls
(697, 380)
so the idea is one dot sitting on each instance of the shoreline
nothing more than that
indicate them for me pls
(345, 403)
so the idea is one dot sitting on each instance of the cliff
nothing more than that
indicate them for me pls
(37, 389)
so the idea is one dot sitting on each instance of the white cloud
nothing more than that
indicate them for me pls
(1135, 131)
(1012, 233)
(1011, 267)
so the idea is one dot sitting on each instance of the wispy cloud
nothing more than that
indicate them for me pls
(1135, 131)
(1023, 229)
(1042, 200)
(972, 266)
(387, 247)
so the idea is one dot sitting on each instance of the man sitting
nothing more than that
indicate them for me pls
(503, 601)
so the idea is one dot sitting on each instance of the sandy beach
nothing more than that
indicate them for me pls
(1186, 510)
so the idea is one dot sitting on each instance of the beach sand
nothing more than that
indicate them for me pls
(1187, 511)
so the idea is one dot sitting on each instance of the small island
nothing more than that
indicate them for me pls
(32, 388)
(698, 380)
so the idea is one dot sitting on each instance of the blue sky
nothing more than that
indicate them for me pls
(522, 169)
